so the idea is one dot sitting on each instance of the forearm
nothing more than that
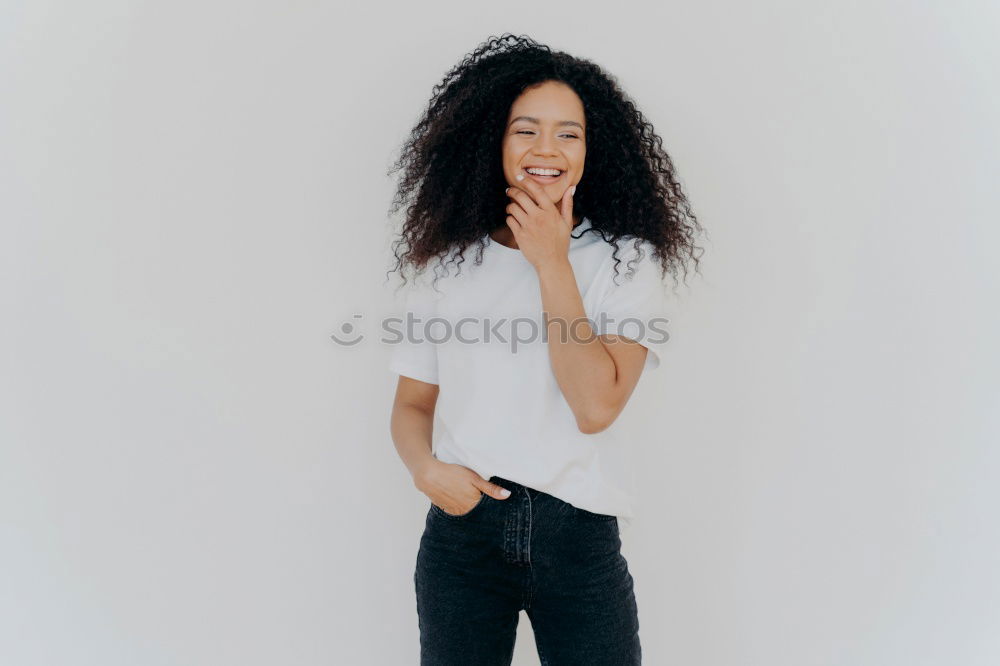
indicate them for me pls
(583, 368)
(412, 429)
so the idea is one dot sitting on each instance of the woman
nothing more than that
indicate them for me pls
(541, 164)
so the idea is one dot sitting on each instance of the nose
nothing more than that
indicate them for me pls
(545, 146)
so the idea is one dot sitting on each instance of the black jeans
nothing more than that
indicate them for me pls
(561, 564)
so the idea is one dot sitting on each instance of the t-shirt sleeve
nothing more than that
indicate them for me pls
(414, 355)
(635, 307)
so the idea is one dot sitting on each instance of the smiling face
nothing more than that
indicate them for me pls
(546, 128)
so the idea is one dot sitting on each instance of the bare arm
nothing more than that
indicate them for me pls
(596, 374)
(412, 423)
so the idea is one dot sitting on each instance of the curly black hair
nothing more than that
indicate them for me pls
(453, 183)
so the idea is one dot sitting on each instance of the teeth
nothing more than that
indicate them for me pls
(543, 172)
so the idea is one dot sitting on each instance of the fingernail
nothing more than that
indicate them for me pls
(504, 493)
(506, 190)
(520, 176)
(572, 190)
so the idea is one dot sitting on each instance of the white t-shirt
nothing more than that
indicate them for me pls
(500, 408)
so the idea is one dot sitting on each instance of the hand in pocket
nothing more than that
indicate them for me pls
(456, 489)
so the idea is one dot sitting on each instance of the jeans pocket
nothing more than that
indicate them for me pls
(441, 512)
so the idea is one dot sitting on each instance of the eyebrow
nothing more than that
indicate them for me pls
(531, 119)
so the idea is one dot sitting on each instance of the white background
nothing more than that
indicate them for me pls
(194, 198)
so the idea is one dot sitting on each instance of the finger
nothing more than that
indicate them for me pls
(492, 489)
(522, 198)
(515, 227)
(518, 213)
(534, 190)
(567, 206)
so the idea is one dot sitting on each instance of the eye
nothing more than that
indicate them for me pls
(569, 136)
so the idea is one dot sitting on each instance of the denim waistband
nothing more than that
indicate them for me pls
(514, 487)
